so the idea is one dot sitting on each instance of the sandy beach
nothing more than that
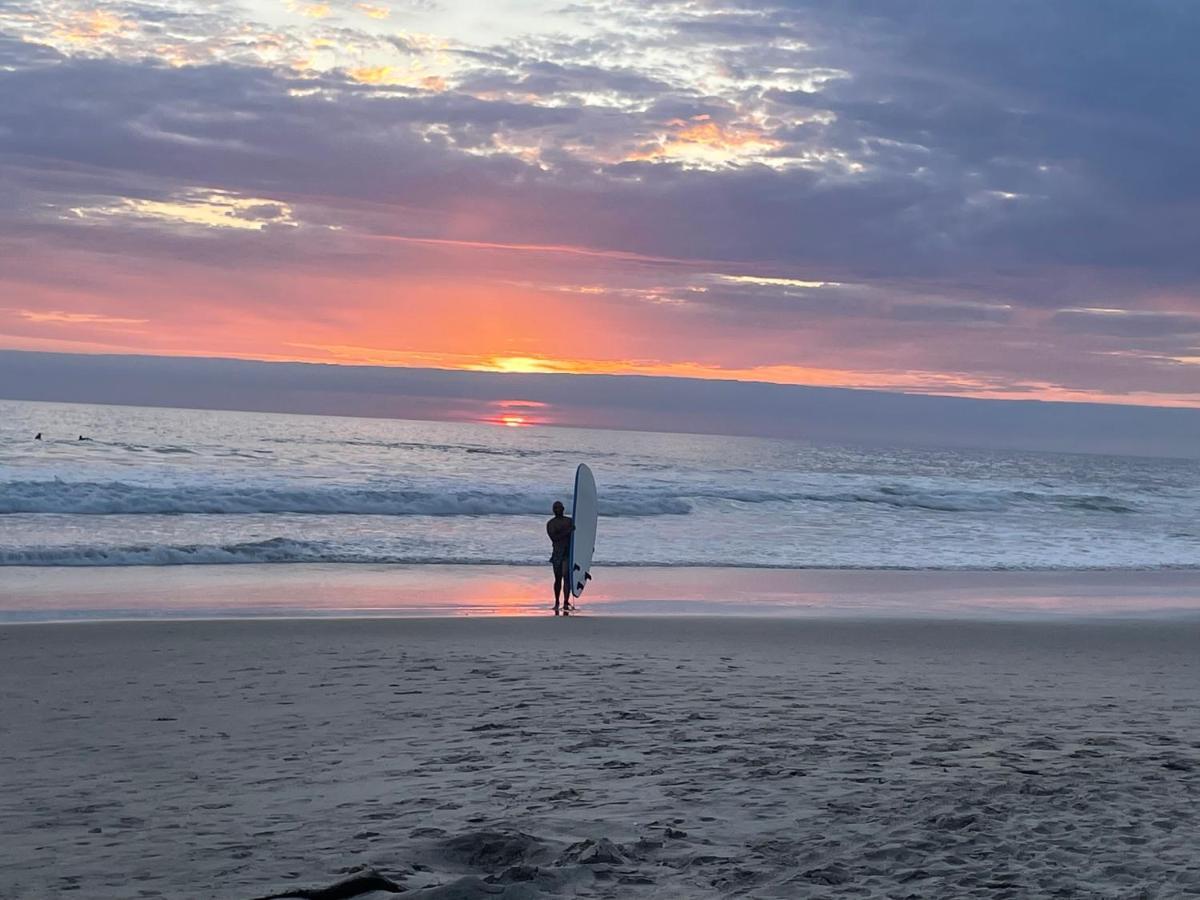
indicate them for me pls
(601, 757)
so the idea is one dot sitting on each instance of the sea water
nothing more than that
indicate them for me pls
(163, 487)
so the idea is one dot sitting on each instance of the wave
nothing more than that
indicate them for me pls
(120, 498)
(435, 447)
(273, 550)
(975, 501)
(937, 501)
(289, 550)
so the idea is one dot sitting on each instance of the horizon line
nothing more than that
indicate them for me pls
(715, 379)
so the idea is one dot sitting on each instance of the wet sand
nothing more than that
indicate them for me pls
(147, 592)
(601, 757)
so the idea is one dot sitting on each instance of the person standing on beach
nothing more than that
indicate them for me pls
(559, 529)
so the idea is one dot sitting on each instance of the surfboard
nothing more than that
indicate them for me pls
(583, 538)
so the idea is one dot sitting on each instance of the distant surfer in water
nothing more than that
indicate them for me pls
(559, 529)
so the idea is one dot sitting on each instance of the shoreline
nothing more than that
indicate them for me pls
(326, 591)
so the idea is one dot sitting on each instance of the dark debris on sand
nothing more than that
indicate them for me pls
(366, 883)
(497, 865)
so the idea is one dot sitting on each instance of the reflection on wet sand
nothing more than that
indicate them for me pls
(39, 594)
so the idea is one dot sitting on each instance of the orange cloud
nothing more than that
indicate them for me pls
(88, 27)
(779, 374)
(700, 140)
(957, 384)
(372, 74)
(389, 75)
(54, 316)
(702, 130)
(313, 10)
(374, 12)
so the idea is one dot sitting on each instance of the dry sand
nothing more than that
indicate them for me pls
(601, 757)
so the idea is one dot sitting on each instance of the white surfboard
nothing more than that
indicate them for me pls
(583, 538)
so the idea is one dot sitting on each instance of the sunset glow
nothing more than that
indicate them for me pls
(753, 194)
(856, 341)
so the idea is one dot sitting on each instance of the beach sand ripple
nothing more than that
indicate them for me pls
(601, 758)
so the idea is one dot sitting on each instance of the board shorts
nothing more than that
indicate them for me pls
(559, 557)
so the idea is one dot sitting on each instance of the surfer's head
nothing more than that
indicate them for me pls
(558, 508)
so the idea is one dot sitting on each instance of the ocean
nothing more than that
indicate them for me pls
(168, 487)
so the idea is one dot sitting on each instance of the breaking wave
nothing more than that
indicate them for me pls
(273, 550)
(974, 501)
(120, 498)
(268, 551)
(289, 550)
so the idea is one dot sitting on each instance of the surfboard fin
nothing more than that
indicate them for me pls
(587, 577)
(576, 568)
(579, 585)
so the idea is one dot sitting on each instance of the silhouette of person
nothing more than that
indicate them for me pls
(559, 530)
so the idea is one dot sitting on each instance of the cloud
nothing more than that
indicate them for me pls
(203, 208)
(892, 218)
(311, 10)
(55, 316)
(1128, 323)
(920, 186)
(952, 312)
(375, 11)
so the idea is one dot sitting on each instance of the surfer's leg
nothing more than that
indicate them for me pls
(562, 576)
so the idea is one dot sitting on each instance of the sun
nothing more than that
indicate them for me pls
(515, 413)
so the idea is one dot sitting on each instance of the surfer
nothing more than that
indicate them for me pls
(559, 529)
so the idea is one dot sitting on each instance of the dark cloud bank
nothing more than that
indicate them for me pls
(635, 402)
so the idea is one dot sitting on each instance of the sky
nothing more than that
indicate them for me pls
(990, 200)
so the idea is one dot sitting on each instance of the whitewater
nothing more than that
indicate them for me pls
(155, 487)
